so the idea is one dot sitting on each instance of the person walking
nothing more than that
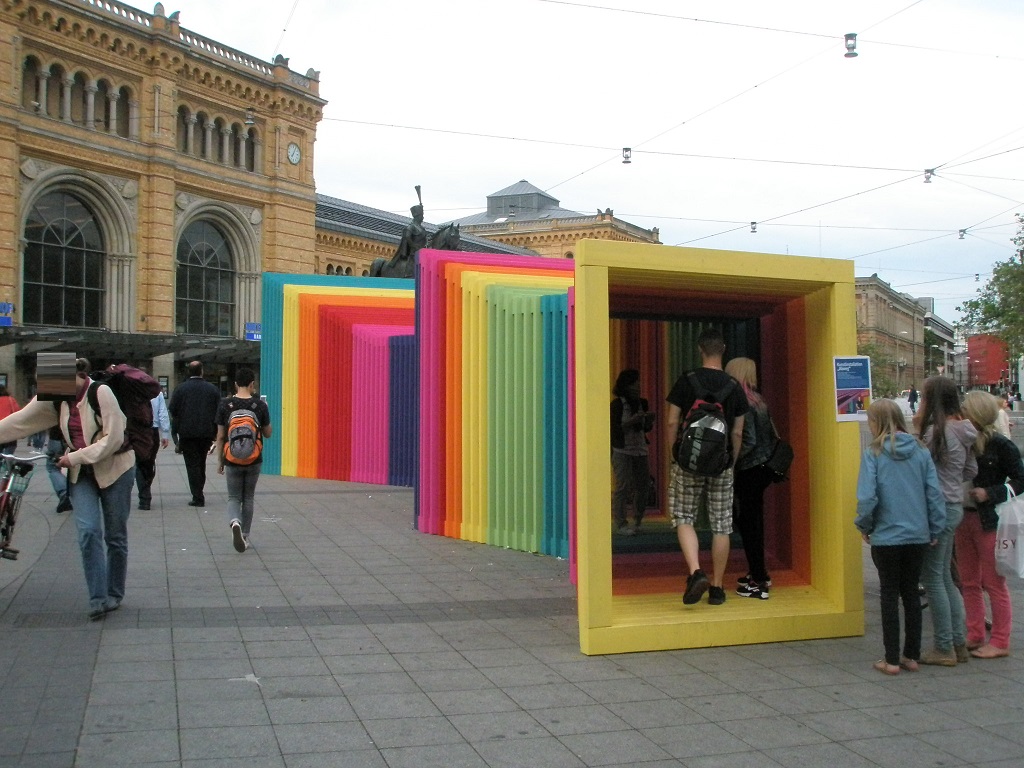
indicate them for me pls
(900, 511)
(686, 489)
(949, 439)
(999, 463)
(243, 422)
(912, 397)
(752, 478)
(193, 410)
(101, 473)
(145, 466)
(630, 421)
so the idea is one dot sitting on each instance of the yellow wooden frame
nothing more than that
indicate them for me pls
(821, 293)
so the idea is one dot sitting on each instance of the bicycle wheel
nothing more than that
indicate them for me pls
(8, 517)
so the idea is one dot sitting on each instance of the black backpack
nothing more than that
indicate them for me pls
(134, 390)
(702, 443)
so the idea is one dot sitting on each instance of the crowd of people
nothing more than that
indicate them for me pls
(927, 494)
(93, 468)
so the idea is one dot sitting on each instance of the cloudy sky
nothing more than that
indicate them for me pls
(736, 112)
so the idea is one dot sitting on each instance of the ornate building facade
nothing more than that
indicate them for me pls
(152, 175)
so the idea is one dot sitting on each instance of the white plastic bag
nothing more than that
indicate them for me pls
(1009, 539)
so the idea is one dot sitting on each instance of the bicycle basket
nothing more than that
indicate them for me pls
(19, 483)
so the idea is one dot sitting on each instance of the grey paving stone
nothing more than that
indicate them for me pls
(297, 738)
(548, 695)
(464, 702)
(488, 726)
(412, 732)
(129, 748)
(594, 718)
(364, 758)
(236, 741)
(441, 756)
(846, 725)
(902, 752)
(320, 709)
(694, 740)
(626, 747)
(734, 760)
(817, 756)
(151, 716)
(223, 714)
(769, 732)
(390, 705)
(970, 745)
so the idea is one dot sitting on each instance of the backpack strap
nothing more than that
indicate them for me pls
(719, 397)
(93, 397)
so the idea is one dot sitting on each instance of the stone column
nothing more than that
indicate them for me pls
(65, 98)
(44, 78)
(133, 119)
(242, 138)
(225, 145)
(208, 140)
(190, 132)
(112, 97)
(257, 154)
(91, 89)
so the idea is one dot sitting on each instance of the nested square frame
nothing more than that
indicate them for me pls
(807, 313)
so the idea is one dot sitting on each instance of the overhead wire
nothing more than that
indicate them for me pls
(287, 21)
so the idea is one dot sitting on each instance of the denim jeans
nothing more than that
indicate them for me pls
(54, 450)
(101, 515)
(944, 599)
(241, 493)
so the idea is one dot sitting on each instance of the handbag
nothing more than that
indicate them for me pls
(781, 457)
(780, 460)
(1009, 556)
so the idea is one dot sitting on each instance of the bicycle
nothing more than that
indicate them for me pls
(15, 474)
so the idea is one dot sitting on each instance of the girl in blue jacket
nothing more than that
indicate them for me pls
(900, 513)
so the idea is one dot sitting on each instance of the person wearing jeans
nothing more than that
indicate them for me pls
(241, 474)
(950, 440)
(100, 477)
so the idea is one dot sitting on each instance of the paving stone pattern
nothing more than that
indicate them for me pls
(346, 638)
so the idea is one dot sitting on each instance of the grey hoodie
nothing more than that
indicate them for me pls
(959, 463)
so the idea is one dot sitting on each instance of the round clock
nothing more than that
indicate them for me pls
(294, 153)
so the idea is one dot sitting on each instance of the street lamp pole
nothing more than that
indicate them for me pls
(899, 388)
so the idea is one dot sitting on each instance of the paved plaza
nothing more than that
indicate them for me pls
(345, 638)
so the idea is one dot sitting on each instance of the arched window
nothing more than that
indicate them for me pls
(205, 295)
(330, 269)
(64, 264)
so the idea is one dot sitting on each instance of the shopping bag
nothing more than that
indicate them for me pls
(1009, 552)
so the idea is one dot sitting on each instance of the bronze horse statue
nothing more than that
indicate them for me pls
(403, 263)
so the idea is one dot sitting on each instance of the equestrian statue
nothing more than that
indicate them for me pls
(414, 237)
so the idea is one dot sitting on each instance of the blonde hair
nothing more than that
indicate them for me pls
(744, 370)
(886, 420)
(982, 409)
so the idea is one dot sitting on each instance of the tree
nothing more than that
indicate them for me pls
(999, 307)
(881, 364)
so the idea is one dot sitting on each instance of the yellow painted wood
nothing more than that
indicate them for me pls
(820, 294)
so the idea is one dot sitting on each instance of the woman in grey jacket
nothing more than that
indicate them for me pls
(900, 512)
(101, 473)
(949, 438)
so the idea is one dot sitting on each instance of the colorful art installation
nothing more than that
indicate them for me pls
(488, 393)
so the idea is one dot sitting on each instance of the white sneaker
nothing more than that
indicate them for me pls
(236, 536)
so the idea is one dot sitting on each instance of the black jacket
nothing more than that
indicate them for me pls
(618, 435)
(1001, 463)
(193, 409)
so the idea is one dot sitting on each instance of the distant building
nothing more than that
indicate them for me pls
(528, 217)
(988, 365)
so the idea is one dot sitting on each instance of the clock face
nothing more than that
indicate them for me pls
(294, 153)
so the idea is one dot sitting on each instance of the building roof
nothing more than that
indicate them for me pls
(521, 201)
(351, 218)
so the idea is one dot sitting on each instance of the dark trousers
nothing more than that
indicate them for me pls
(194, 450)
(145, 470)
(748, 516)
(899, 573)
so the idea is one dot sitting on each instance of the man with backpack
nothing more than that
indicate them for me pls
(101, 473)
(243, 421)
(705, 433)
(193, 410)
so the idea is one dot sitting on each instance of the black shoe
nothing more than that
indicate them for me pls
(753, 589)
(97, 613)
(144, 505)
(199, 503)
(696, 585)
(716, 596)
(746, 580)
(64, 505)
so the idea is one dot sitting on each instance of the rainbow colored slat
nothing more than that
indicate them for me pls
(323, 365)
(492, 334)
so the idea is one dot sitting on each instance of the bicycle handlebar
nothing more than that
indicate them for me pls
(10, 458)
